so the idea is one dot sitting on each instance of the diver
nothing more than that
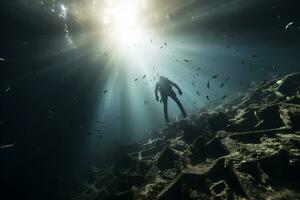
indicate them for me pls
(164, 86)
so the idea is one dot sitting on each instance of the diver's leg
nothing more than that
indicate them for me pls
(165, 102)
(174, 97)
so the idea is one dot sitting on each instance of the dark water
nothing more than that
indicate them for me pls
(72, 87)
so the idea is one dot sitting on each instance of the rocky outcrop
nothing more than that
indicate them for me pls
(250, 151)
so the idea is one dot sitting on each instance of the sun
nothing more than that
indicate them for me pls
(122, 21)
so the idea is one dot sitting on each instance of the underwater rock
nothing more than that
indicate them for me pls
(221, 191)
(167, 159)
(190, 132)
(127, 195)
(218, 121)
(249, 151)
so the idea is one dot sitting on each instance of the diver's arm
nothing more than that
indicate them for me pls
(176, 86)
(156, 90)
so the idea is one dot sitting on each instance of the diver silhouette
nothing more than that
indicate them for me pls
(164, 86)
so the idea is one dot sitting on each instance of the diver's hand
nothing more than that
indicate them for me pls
(180, 92)
(157, 99)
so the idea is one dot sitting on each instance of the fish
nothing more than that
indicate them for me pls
(136, 79)
(186, 60)
(144, 76)
(222, 84)
(7, 89)
(224, 96)
(207, 97)
(289, 25)
(207, 84)
(7, 146)
(165, 43)
(105, 91)
(215, 76)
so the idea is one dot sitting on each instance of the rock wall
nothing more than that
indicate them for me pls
(249, 151)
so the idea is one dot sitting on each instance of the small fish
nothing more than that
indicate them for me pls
(165, 43)
(136, 79)
(207, 85)
(198, 68)
(7, 146)
(207, 97)
(144, 76)
(198, 93)
(222, 84)
(105, 91)
(289, 25)
(255, 56)
(7, 60)
(7, 89)
(224, 96)
(215, 76)
(186, 60)
(161, 47)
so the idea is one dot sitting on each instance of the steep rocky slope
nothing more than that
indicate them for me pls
(246, 150)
